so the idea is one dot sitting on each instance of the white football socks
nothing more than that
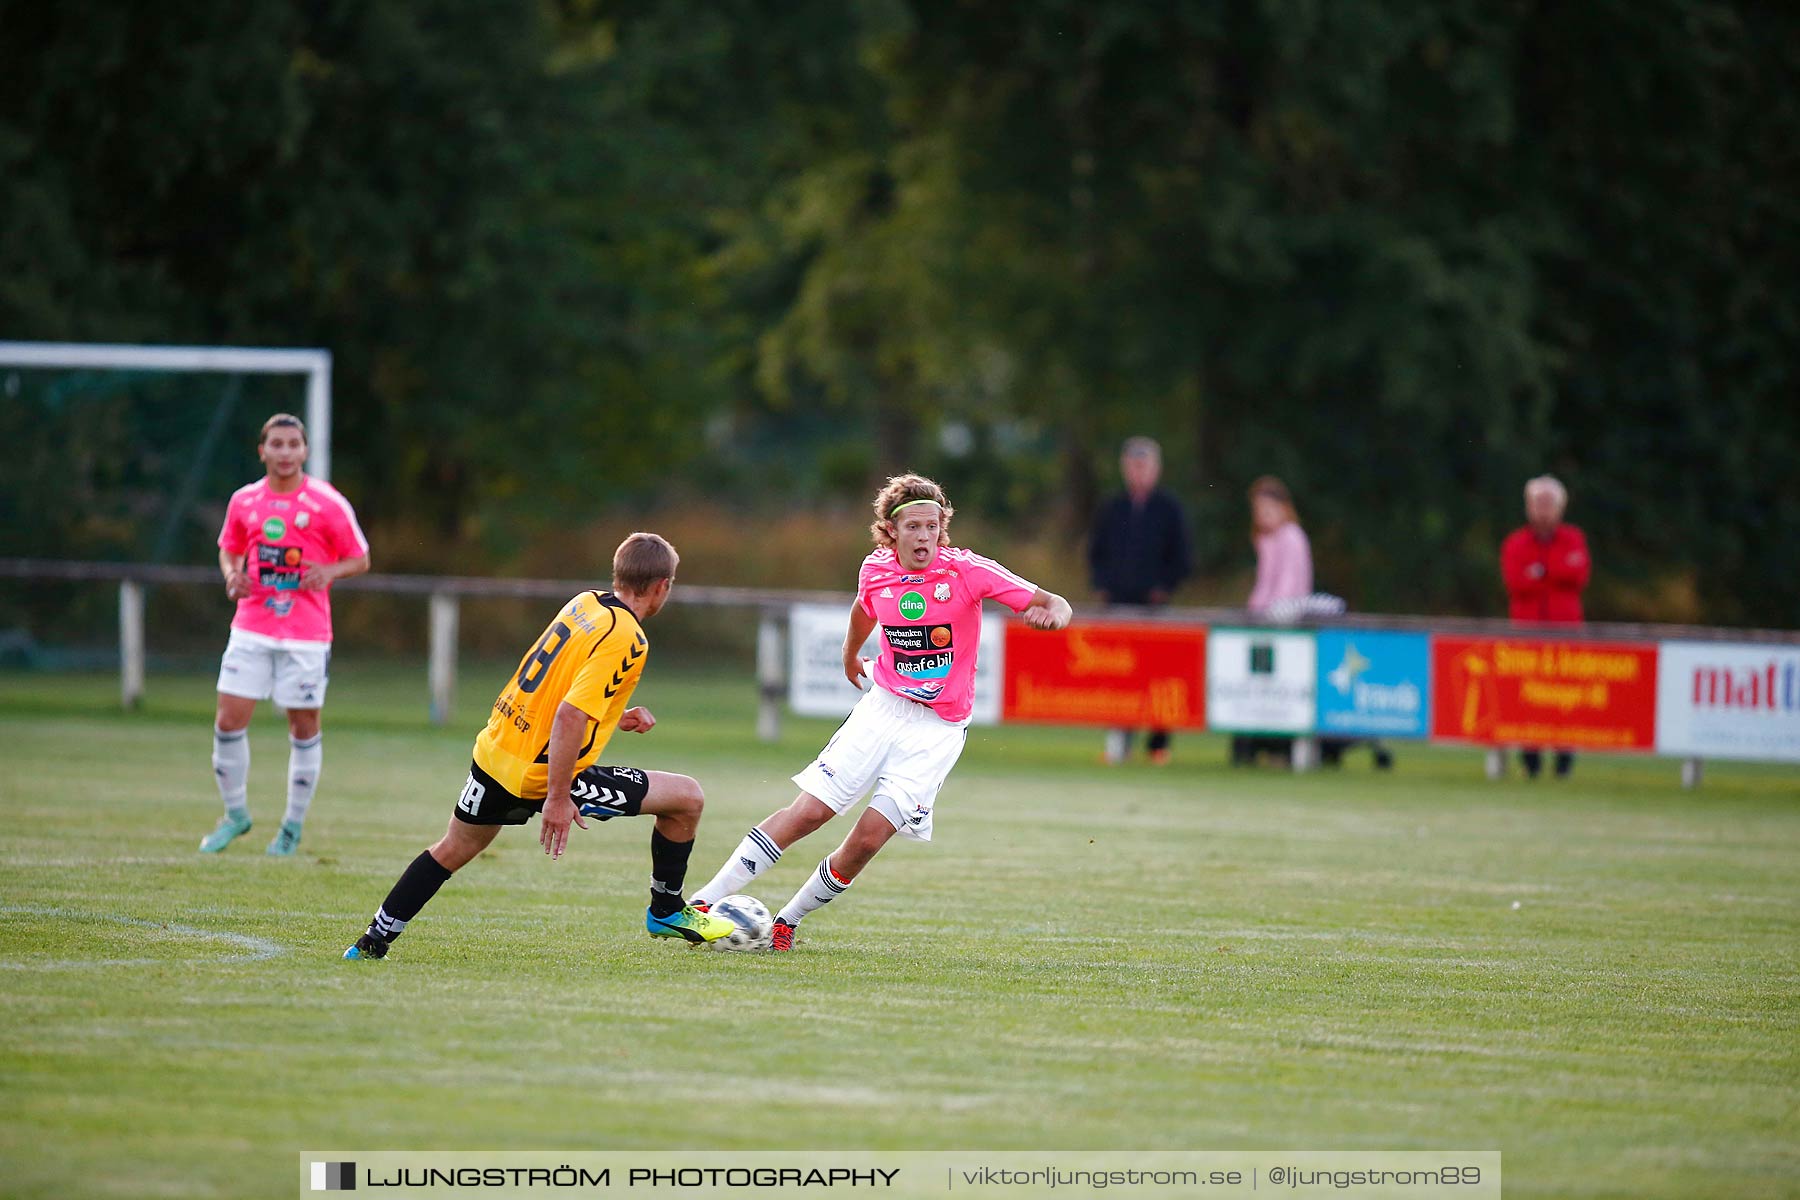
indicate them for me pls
(825, 886)
(754, 855)
(231, 767)
(303, 774)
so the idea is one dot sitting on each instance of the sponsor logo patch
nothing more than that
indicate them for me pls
(274, 528)
(924, 666)
(921, 651)
(917, 639)
(912, 606)
(925, 693)
(278, 567)
(912, 579)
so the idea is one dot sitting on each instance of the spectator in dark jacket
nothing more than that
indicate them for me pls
(1138, 555)
(1545, 565)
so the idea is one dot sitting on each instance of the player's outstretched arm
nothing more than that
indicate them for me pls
(1047, 610)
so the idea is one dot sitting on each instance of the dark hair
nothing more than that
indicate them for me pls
(281, 421)
(642, 561)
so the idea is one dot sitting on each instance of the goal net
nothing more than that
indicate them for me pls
(129, 454)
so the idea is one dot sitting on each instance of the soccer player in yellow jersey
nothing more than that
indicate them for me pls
(540, 751)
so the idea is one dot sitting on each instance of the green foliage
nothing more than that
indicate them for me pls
(575, 254)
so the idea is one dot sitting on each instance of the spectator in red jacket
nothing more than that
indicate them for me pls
(1545, 564)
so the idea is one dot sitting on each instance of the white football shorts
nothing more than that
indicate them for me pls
(901, 750)
(258, 667)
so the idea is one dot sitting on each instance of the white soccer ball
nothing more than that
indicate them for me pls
(753, 921)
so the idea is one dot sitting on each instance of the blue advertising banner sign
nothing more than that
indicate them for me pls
(1374, 684)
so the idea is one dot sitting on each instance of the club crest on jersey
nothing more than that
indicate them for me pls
(941, 592)
(302, 520)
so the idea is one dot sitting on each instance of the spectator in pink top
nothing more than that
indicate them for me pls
(1283, 555)
(1283, 574)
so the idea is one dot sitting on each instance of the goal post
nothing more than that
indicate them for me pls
(315, 365)
(178, 489)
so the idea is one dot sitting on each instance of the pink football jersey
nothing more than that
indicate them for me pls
(279, 534)
(931, 623)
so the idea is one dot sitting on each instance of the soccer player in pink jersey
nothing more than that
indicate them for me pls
(286, 538)
(908, 730)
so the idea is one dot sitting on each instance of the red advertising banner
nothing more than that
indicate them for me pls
(1538, 692)
(1115, 675)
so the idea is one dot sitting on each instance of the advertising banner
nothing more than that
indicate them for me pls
(1374, 684)
(1129, 675)
(816, 683)
(1544, 692)
(1261, 680)
(1728, 700)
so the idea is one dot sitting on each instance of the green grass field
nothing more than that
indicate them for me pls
(1087, 958)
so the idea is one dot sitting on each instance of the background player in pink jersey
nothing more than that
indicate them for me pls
(906, 733)
(286, 538)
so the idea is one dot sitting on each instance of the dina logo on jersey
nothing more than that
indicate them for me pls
(274, 528)
(912, 606)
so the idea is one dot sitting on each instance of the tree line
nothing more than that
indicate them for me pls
(578, 254)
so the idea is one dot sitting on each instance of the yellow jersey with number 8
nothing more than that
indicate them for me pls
(592, 655)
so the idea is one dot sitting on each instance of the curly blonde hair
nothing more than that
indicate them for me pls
(899, 490)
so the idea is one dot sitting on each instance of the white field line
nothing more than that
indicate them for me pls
(252, 949)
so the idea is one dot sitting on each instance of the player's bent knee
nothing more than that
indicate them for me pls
(674, 795)
(233, 713)
(810, 811)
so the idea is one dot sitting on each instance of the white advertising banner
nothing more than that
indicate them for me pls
(1261, 681)
(816, 683)
(1728, 700)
